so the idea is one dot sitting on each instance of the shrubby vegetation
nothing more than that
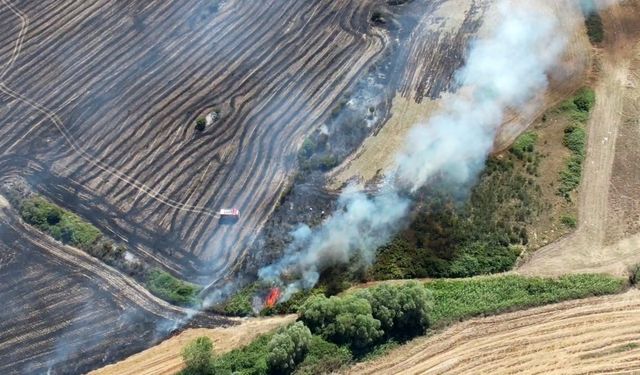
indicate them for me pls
(403, 311)
(71, 229)
(201, 123)
(366, 322)
(479, 234)
(575, 137)
(569, 221)
(595, 28)
(59, 223)
(524, 145)
(171, 289)
(288, 348)
(324, 358)
(240, 303)
(197, 356)
(484, 232)
(342, 320)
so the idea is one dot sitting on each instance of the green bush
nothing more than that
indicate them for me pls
(248, 360)
(575, 138)
(324, 358)
(348, 321)
(585, 99)
(524, 144)
(59, 223)
(288, 348)
(171, 289)
(240, 303)
(197, 356)
(403, 311)
(459, 299)
(634, 274)
(569, 221)
(201, 123)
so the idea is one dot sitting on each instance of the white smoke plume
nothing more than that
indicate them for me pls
(504, 71)
(358, 227)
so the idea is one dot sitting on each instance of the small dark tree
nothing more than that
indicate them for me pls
(634, 274)
(201, 123)
(378, 18)
(197, 355)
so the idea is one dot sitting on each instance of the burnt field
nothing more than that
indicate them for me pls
(66, 312)
(98, 104)
(102, 97)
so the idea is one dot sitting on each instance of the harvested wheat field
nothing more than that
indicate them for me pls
(165, 358)
(596, 335)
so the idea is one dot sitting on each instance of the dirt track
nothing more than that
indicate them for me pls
(617, 93)
(595, 335)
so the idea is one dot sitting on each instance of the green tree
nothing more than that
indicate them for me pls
(404, 311)
(201, 123)
(197, 355)
(288, 348)
(342, 320)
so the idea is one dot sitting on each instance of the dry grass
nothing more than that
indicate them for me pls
(165, 358)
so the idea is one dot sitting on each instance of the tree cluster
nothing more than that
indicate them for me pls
(362, 319)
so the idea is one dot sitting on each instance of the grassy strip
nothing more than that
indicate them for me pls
(71, 229)
(461, 299)
(454, 300)
(60, 224)
(171, 289)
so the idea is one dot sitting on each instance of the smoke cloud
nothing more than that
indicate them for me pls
(504, 71)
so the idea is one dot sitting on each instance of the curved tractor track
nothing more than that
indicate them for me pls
(105, 95)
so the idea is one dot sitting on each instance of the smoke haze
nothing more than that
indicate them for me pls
(504, 71)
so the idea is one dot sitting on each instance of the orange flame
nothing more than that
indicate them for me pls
(272, 297)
